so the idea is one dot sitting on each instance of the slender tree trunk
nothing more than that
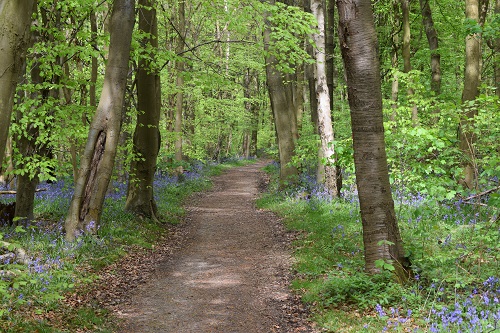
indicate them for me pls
(30, 146)
(179, 102)
(98, 159)
(327, 175)
(432, 38)
(284, 113)
(15, 16)
(331, 74)
(255, 118)
(299, 96)
(146, 141)
(5, 175)
(405, 6)
(358, 40)
(470, 93)
(496, 51)
(247, 133)
(395, 61)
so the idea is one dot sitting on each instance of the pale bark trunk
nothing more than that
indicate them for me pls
(358, 40)
(432, 38)
(284, 114)
(98, 159)
(146, 141)
(15, 16)
(327, 174)
(470, 93)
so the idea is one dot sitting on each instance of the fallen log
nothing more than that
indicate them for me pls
(15, 192)
(19, 253)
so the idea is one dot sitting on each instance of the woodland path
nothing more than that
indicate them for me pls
(228, 273)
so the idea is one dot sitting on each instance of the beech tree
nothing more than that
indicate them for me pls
(326, 174)
(14, 39)
(358, 40)
(146, 139)
(470, 92)
(98, 158)
(282, 106)
(432, 38)
(179, 98)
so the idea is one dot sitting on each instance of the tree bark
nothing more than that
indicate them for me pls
(405, 7)
(331, 74)
(358, 41)
(15, 16)
(496, 50)
(327, 174)
(284, 113)
(179, 102)
(146, 141)
(432, 38)
(98, 159)
(31, 148)
(470, 93)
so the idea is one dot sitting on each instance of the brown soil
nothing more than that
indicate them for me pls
(225, 269)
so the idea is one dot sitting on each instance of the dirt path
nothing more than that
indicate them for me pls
(229, 274)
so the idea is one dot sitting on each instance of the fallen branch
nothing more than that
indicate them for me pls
(482, 193)
(15, 192)
(19, 253)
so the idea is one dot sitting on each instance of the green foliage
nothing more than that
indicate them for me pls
(290, 26)
(453, 246)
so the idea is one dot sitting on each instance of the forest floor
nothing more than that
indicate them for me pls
(225, 268)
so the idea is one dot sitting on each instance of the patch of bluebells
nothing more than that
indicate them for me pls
(58, 190)
(478, 311)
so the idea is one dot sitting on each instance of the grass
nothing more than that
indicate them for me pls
(453, 246)
(31, 298)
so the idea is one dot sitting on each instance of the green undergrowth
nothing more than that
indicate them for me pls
(32, 295)
(453, 247)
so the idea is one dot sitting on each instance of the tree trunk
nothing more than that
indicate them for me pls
(6, 176)
(31, 148)
(146, 141)
(470, 92)
(331, 74)
(327, 174)
(179, 66)
(405, 6)
(432, 38)
(358, 40)
(496, 50)
(395, 62)
(98, 158)
(15, 16)
(284, 113)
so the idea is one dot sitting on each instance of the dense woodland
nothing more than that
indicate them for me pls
(385, 112)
